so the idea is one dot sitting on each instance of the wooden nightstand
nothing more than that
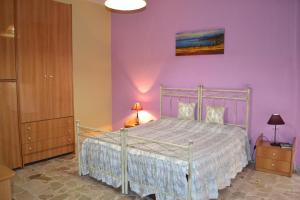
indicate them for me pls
(130, 125)
(274, 159)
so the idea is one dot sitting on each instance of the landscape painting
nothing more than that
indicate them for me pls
(200, 43)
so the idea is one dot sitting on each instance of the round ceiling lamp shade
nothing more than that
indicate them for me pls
(125, 5)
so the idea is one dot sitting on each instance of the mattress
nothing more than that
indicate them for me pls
(219, 153)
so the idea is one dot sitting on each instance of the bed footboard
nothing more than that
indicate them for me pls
(109, 140)
(127, 142)
(135, 144)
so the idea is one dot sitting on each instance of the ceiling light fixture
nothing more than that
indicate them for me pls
(125, 5)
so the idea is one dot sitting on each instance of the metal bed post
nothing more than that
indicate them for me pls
(190, 169)
(122, 161)
(124, 158)
(78, 146)
(160, 100)
(247, 121)
(200, 93)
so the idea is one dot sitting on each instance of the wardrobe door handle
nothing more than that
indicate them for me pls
(51, 76)
(29, 138)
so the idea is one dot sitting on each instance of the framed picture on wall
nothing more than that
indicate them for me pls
(200, 42)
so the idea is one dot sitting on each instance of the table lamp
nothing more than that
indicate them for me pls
(275, 119)
(137, 107)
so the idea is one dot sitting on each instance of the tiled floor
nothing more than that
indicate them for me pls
(57, 179)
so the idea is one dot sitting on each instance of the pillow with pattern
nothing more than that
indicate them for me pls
(186, 110)
(215, 114)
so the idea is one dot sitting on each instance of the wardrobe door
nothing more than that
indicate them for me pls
(10, 154)
(44, 59)
(7, 42)
(33, 58)
(60, 66)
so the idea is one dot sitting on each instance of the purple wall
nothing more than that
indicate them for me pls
(298, 79)
(260, 52)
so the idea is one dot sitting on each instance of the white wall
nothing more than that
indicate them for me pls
(92, 63)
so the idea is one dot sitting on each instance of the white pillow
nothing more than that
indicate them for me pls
(186, 110)
(215, 114)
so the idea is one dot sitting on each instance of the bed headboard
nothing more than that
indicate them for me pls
(231, 99)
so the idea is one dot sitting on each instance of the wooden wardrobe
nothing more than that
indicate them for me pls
(43, 81)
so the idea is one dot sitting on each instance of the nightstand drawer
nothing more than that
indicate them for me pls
(269, 164)
(275, 153)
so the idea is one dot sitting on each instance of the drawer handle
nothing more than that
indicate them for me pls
(28, 128)
(274, 154)
(29, 148)
(29, 138)
(273, 165)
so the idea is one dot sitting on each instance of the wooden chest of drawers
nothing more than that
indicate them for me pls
(274, 159)
(45, 139)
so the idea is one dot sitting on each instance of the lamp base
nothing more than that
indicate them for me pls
(275, 144)
(137, 121)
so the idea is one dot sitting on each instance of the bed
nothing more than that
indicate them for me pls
(170, 157)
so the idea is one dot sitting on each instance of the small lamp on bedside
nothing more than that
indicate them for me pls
(137, 106)
(275, 119)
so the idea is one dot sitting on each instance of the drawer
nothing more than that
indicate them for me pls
(275, 153)
(43, 130)
(47, 144)
(274, 165)
(47, 154)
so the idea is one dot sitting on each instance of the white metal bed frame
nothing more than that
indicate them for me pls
(198, 94)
